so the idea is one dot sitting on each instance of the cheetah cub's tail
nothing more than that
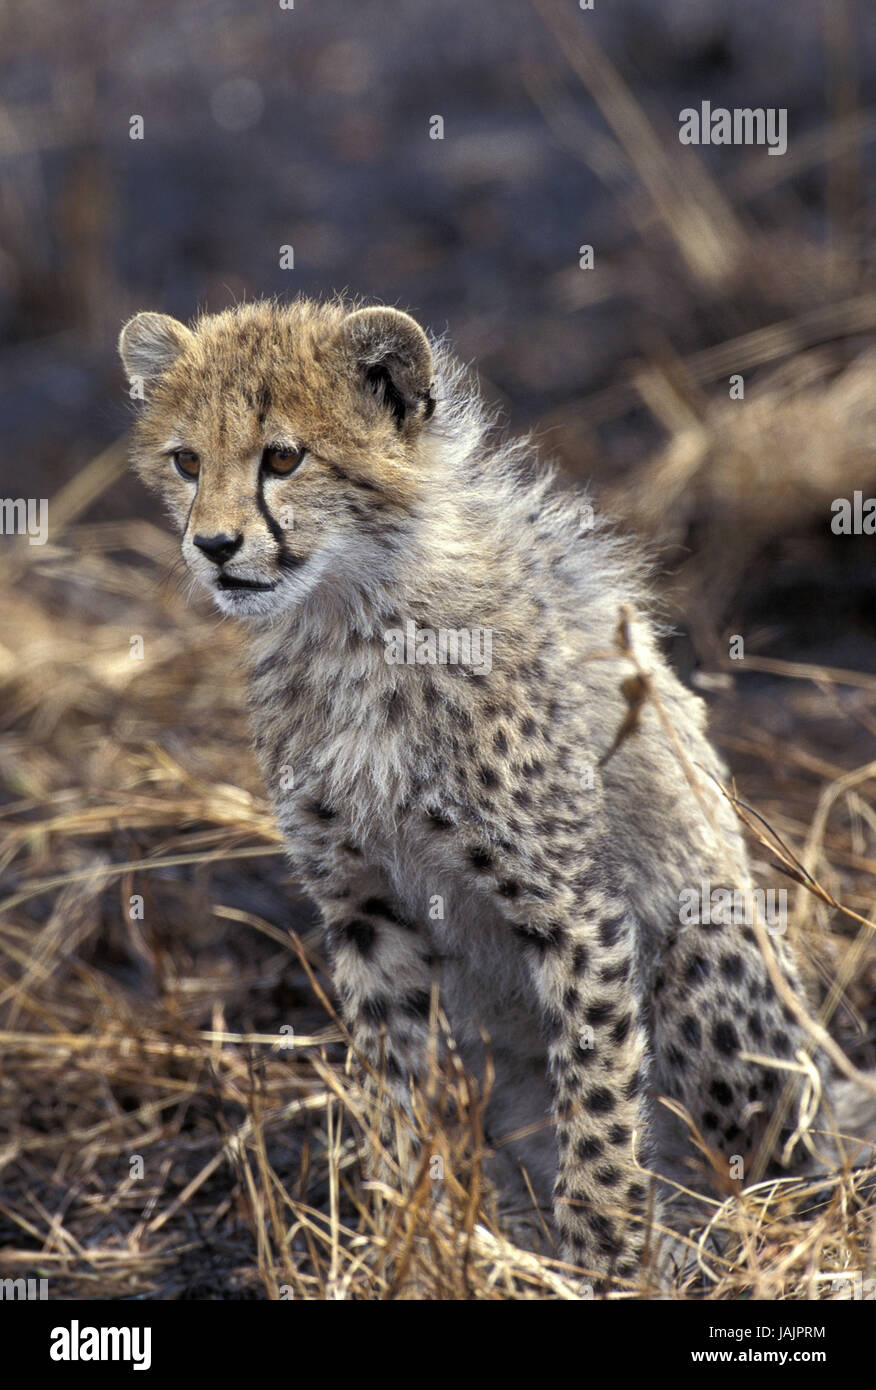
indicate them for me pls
(854, 1110)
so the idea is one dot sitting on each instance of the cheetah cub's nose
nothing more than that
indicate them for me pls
(219, 548)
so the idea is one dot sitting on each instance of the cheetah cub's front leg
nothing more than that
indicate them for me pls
(578, 938)
(381, 973)
(597, 1059)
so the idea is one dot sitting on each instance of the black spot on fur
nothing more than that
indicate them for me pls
(733, 967)
(481, 859)
(725, 1038)
(635, 1086)
(375, 1010)
(607, 1176)
(721, 1092)
(691, 1031)
(610, 929)
(588, 1149)
(360, 934)
(417, 1005)
(604, 1232)
(395, 705)
(621, 1030)
(612, 974)
(377, 907)
(545, 939)
(600, 1011)
(600, 1101)
(698, 970)
(580, 959)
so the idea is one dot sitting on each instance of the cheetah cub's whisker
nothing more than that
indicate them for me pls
(335, 479)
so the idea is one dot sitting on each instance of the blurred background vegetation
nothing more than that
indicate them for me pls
(310, 127)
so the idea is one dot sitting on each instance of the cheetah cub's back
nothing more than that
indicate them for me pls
(431, 623)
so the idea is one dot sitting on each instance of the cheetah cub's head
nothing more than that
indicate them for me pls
(286, 441)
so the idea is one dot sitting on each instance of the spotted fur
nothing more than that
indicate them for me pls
(559, 869)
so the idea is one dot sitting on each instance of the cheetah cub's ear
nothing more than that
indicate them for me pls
(149, 344)
(391, 355)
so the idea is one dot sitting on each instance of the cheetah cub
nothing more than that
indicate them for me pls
(436, 700)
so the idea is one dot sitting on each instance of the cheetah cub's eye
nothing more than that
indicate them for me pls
(187, 463)
(279, 461)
